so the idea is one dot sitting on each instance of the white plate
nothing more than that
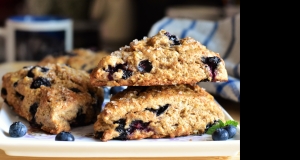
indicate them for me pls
(39, 144)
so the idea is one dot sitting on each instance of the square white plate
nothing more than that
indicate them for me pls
(38, 144)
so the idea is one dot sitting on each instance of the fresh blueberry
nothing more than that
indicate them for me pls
(64, 136)
(220, 134)
(114, 90)
(17, 129)
(231, 130)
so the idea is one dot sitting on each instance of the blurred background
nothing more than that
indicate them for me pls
(109, 24)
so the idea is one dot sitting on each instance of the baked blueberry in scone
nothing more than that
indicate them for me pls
(53, 97)
(140, 112)
(162, 59)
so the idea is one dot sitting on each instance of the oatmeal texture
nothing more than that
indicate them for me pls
(157, 112)
(159, 60)
(53, 97)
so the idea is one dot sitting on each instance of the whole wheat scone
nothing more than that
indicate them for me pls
(53, 97)
(160, 60)
(157, 112)
(80, 58)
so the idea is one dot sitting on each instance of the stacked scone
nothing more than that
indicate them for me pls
(162, 98)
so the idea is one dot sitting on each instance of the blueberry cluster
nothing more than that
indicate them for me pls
(144, 66)
(224, 133)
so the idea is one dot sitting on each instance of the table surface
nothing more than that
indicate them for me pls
(233, 108)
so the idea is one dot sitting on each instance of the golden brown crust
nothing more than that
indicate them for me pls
(163, 111)
(184, 62)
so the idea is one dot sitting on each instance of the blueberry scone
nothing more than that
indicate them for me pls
(82, 59)
(156, 112)
(159, 60)
(53, 97)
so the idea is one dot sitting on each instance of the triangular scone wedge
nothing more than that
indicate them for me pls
(159, 60)
(53, 97)
(157, 112)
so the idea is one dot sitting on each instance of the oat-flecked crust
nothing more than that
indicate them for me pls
(190, 109)
(171, 63)
(63, 97)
